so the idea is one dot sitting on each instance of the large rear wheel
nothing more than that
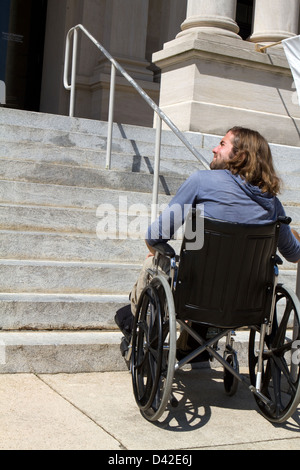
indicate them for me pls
(281, 358)
(154, 348)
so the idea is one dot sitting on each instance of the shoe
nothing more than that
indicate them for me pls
(124, 320)
(124, 346)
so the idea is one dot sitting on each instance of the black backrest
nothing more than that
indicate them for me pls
(229, 282)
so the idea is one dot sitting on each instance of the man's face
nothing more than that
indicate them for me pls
(223, 152)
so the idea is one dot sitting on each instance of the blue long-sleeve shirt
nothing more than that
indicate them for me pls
(225, 197)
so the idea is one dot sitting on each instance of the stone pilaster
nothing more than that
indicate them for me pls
(125, 37)
(126, 34)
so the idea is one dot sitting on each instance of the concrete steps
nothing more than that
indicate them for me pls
(60, 351)
(67, 277)
(65, 312)
(63, 274)
(68, 247)
(68, 175)
(61, 196)
(62, 219)
(75, 351)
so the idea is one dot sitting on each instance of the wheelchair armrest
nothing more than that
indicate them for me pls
(284, 220)
(278, 260)
(165, 249)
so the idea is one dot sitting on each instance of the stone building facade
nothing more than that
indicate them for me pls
(196, 58)
(212, 79)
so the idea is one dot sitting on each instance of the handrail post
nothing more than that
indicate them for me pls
(156, 169)
(73, 73)
(110, 116)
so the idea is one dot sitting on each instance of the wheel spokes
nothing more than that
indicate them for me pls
(147, 349)
(280, 374)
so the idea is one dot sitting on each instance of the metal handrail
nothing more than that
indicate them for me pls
(161, 115)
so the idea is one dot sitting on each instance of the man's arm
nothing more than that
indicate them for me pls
(296, 235)
(173, 216)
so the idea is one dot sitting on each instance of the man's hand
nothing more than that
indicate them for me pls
(151, 249)
(296, 234)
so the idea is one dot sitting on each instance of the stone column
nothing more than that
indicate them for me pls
(213, 16)
(211, 80)
(275, 20)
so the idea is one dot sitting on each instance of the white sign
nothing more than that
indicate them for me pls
(2, 93)
(292, 51)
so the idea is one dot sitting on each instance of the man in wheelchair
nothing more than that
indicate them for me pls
(243, 191)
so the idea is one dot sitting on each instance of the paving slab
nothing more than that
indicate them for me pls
(205, 419)
(35, 417)
(98, 411)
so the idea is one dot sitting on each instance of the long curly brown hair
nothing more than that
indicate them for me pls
(252, 160)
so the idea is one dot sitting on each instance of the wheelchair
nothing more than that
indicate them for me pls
(229, 283)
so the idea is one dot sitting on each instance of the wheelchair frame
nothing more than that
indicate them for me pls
(274, 378)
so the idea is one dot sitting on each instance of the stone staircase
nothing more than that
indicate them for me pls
(61, 284)
(61, 278)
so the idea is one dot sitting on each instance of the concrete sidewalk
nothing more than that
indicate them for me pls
(98, 411)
